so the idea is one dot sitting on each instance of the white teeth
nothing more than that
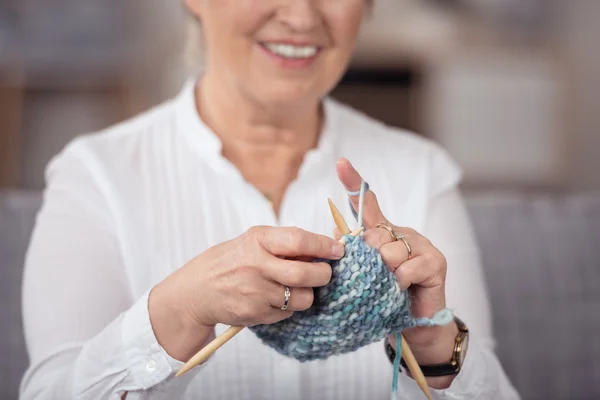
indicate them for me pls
(291, 51)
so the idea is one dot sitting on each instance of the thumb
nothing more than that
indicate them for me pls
(351, 180)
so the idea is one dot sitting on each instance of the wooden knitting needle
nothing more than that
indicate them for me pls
(219, 341)
(414, 368)
(340, 222)
(409, 357)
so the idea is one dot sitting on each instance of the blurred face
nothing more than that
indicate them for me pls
(279, 51)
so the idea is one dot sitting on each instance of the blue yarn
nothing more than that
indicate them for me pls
(364, 187)
(362, 304)
(396, 365)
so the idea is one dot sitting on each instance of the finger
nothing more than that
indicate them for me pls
(377, 237)
(273, 316)
(300, 298)
(394, 253)
(351, 180)
(422, 270)
(297, 274)
(296, 242)
(337, 234)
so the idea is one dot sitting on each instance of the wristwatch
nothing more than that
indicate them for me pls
(450, 368)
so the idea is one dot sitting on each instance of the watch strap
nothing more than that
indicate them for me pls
(444, 369)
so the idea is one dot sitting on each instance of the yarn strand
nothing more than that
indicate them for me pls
(364, 187)
(396, 366)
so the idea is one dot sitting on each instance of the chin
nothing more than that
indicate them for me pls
(283, 92)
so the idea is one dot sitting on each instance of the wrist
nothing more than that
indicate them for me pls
(432, 345)
(180, 335)
(439, 348)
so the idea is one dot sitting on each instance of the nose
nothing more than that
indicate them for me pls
(301, 15)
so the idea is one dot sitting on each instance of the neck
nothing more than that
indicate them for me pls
(266, 142)
(294, 125)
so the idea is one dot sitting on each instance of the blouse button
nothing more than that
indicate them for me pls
(151, 366)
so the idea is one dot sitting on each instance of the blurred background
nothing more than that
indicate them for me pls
(510, 87)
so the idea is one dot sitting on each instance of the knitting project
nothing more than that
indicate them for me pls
(362, 304)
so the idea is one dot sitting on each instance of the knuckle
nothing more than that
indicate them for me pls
(297, 240)
(308, 299)
(374, 238)
(248, 291)
(264, 316)
(327, 273)
(403, 278)
(255, 232)
(272, 318)
(258, 239)
(243, 313)
(295, 276)
(443, 262)
(430, 259)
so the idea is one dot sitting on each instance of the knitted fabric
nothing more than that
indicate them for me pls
(361, 304)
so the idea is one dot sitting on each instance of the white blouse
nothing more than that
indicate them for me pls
(126, 207)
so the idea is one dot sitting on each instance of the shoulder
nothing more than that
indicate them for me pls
(381, 148)
(117, 146)
(152, 125)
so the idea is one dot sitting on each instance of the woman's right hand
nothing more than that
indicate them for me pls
(239, 282)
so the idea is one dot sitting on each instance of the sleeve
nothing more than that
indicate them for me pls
(87, 337)
(449, 229)
(445, 172)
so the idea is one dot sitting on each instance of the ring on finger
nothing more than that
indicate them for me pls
(286, 299)
(390, 231)
(408, 247)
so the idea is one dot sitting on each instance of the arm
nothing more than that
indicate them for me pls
(87, 337)
(449, 229)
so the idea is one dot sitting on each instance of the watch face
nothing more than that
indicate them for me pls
(463, 349)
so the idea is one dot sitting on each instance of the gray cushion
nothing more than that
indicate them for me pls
(540, 255)
(17, 216)
(542, 263)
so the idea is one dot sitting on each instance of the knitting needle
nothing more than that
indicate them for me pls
(337, 217)
(219, 341)
(414, 368)
(409, 357)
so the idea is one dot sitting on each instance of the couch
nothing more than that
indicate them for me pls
(542, 264)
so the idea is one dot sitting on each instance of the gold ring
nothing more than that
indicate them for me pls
(408, 248)
(389, 229)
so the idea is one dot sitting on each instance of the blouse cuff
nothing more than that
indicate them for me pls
(469, 383)
(149, 363)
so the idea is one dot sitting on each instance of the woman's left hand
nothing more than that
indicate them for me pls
(424, 273)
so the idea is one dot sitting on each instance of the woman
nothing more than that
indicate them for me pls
(199, 213)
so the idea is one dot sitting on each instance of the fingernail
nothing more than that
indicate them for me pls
(338, 250)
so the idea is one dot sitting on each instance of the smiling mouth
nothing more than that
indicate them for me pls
(290, 51)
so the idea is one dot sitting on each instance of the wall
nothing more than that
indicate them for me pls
(420, 35)
(581, 33)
